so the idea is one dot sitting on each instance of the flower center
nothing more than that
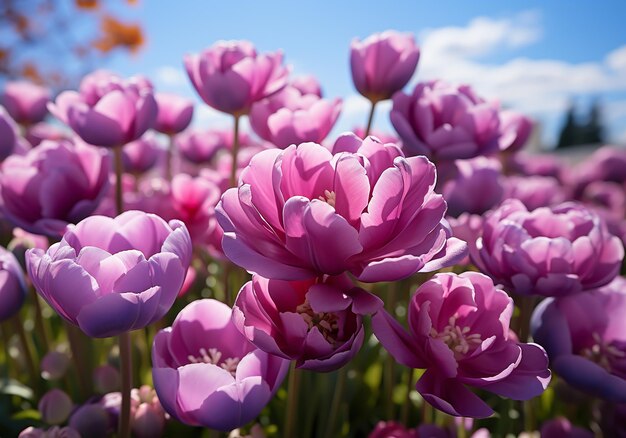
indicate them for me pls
(456, 338)
(329, 197)
(214, 356)
(326, 323)
(603, 353)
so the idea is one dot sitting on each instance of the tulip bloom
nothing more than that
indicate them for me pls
(108, 111)
(292, 117)
(534, 191)
(26, 102)
(317, 324)
(554, 251)
(140, 155)
(125, 272)
(585, 337)
(207, 374)
(459, 332)
(12, 285)
(175, 113)
(302, 212)
(54, 184)
(53, 432)
(445, 122)
(515, 129)
(230, 76)
(199, 147)
(8, 136)
(383, 63)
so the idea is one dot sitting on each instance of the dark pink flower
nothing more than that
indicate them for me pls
(54, 184)
(316, 323)
(108, 111)
(230, 76)
(554, 251)
(302, 212)
(8, 135)
(383, 63)
(459, 332)
(445, 122)
(207, 373)
(141, 155)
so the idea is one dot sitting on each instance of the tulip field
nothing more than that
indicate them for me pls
(279, 279)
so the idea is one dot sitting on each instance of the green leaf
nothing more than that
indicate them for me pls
(13, 387)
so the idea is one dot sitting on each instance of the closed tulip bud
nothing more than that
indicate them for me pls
(55, 406)
(54, 365)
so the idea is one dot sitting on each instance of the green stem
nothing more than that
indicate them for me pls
(370, 118)
(76, 338)
(335, 404)
(389, 365)
(406, 407)
(292, 401)
(28, 356)
(119, 170)
(169, 158)
(127, 384)
(461, 431)
(427, 412)
(235, 152)
(39, 322)
(526, 306)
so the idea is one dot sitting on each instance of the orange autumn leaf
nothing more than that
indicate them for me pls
(87, 4)
(118, 34)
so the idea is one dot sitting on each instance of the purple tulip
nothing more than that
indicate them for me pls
(303, 212)
(53, 432)
(125, 272)
(383, 63)
(106, 378)
(141, 155)
(562, 428)
(466, 227)
(200, 147)
(12, 285)
(54, 184)
(292, 117)
(147, 415)
(54, 365)
(534, 191)
(207, 373)
(445, 122)
(108, 111)
(26, 102)
(307, 85)
(391, 429)
(459, 331)
(585, 337)
(175, 113)
(384, 137)
(537, 165)
(316, 323)
(515, 129)
(92, 420)
(606, 164)
(554, 251)
(476, 187)
(230, 76)
(8, 135)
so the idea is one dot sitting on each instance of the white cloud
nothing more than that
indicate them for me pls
(168, 76)
(540, 87)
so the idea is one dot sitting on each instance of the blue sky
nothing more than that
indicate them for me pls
(534, 56)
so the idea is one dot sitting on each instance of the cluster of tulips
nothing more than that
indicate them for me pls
(281, 283)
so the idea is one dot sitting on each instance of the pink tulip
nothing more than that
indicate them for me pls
(8, 135)
(383, 63)
(317, 324)
(302, 212)
(26, 102)
(108, 111)
(554, 251)
(445, 122)
(53, 432)
(230, 76)
(307, 85)
(459, 332)
(292, 117)
(206, 373)
(175, 113)
(54, 184)
(125, 272)
(515, 129)
(141, 155)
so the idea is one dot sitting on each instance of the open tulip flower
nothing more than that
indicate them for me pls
(124, 272)
(302, 212)
(54, 184)
(554, 251)
(317, 324)
(12, 285)
(207, 373)
(459, 332)
(26, 101)
(108, 110)
(585, 337)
